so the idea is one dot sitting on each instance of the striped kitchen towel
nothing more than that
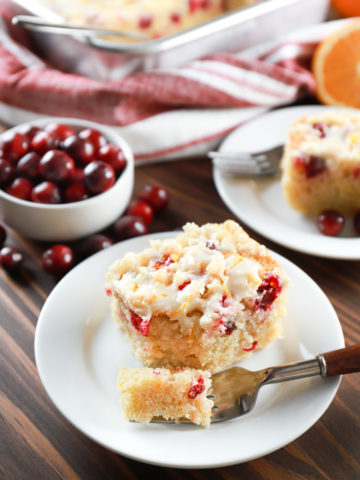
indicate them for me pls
(163, 114)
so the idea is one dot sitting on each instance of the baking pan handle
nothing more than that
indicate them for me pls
(40, 24)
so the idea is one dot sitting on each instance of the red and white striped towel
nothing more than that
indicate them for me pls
(164, 114)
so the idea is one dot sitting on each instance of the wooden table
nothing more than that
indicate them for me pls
(36, 442)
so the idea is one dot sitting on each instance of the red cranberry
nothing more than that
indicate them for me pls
(251, 348)
(20, 187)
(141, 325)
(56, 166)
(330, 222)
(79, 149)
(43, 141)
(197, 388)
(46, 192)
(312, 165)
(156, 196)
(184, 284)
(77, 175)
(175, 17)
(93, 136)
(28, 166)
(95, 244)
(129, 226)
(2, 235)
(196, 4)
(139, 208)
(114, 156)
(75, 192)
(357, 222)
(320, 127)
(59, 130)
(11, 258)
(58, 259)
(268, 291)
(98, 176)
(30, 131)
(145, 21)
(6, 171)
(14, 145)
(229, 327)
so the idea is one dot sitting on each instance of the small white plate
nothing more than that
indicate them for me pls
(78, 351)
(260, 203)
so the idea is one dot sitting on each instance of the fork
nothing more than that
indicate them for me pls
(235, 390)
(245, 164)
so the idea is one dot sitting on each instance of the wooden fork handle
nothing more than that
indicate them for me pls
(344, 360)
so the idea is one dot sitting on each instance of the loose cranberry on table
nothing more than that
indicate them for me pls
(58, 259)
(56, 166)
(98, 176)
(7, 170)
(82, 151)
(93, 136)
(129, 226)
(46, 192)
(95, 243)
(11, 258)
(20, 187)
(2, 235)
(28, 166)
(139, 208)
(114, 156)
(155, 195)
(14, 145)
(330, 222)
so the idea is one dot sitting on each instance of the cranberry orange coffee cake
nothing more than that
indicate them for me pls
(321, 163)
(155, 18)
(204, 299)
(174, 394)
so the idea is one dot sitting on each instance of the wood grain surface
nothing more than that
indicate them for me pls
(36, 442)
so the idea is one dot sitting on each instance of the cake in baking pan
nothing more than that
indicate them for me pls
(203, 299)
(173, 394)
(155, 18)
(321, 163)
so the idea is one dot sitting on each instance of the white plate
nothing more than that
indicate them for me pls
(78, 350)
(260, 203)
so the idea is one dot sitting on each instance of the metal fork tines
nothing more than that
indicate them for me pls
(247, 164)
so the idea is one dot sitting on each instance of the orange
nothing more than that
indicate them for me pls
(336, 67)
(347, 8)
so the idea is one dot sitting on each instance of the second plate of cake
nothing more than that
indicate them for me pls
(261, 203)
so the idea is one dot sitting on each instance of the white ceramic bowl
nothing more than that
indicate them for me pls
(70, 221)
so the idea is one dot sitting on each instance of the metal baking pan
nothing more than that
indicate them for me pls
(107, 60)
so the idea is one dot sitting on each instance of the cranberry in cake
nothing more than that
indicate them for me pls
(321, 163)
(173, 394)
(203, 299)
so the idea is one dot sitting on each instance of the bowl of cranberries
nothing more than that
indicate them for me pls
(63, 179)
